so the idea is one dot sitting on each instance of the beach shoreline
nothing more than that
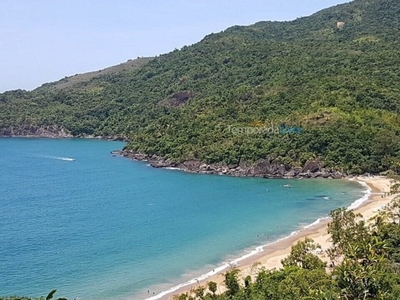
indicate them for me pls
(270, 255)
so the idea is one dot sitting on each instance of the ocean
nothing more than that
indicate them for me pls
(94, 226)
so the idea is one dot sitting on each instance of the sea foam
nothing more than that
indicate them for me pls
(257, 250)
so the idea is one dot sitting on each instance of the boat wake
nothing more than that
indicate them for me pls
(59, 158)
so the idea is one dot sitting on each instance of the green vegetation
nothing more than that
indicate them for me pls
(48, 297)
(365, 261)
(80, 79)
(339, 83)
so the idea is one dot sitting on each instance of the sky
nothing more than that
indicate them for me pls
(46, 40)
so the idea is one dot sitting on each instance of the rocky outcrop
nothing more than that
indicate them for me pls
(52, 132)
(177, 99)
(340, 25)
(101, 137)
(266, 168)
(313, 166)
(36, 131)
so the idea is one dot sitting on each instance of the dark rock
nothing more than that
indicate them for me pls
(265, 168)
(261, 167)
(157, 164)
(192, 165)
(203, 167)
(243, 164)
(337, 175)
(51, 131)
(290, 174)
(177, 99)
(312, 166)
(325, 174)
(282, 170)
(316, 175)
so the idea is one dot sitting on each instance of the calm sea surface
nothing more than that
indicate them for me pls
(94, 226)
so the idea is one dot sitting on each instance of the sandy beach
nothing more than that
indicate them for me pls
(271, 255)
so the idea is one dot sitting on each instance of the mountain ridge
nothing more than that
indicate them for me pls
(335, 74)
(81, 78)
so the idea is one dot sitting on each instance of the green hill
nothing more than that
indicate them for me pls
(80, 79)
(334, 77)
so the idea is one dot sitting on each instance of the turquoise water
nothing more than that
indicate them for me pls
(102, 227)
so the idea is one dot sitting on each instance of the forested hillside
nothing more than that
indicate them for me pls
(333, 76)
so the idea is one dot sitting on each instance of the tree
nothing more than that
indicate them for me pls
(301, 255)
(232, 282)
(212, 286)
(345, 228)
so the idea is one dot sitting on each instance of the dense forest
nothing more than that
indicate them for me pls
(333, 76)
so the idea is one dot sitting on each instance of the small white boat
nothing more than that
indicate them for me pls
(68, 159)
(287, 186)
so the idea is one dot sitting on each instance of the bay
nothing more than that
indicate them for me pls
(95, 226)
